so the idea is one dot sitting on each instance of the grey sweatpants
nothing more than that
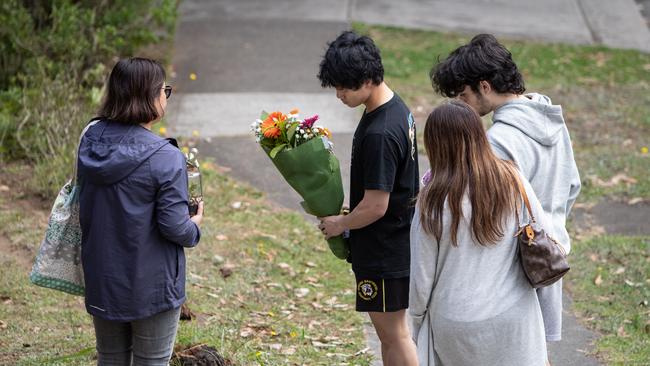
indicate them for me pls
(550, 300)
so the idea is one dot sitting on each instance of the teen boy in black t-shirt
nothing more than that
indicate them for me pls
(383, 183)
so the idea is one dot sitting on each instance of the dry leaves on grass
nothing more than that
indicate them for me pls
(199, 355)
(613, 181)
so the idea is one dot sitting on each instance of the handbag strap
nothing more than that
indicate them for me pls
(92, 122)
(522, 190)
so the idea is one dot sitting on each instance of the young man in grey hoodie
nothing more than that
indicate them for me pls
(526, 129)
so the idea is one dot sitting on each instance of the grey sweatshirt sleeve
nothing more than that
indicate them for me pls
(172, 210)
(574, 191)
(424, 253)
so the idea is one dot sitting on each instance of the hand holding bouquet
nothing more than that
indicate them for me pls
(302, 153)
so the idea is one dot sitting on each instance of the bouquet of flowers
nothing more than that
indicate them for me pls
(302, 153)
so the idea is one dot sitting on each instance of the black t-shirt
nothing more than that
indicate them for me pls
(384, 157)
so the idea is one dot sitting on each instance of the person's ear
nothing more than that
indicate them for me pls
(485, 87)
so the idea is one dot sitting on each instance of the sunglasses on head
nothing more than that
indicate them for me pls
(168, 91)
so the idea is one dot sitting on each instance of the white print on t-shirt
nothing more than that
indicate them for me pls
(412, 135)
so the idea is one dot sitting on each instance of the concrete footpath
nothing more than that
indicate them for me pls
(254, 55)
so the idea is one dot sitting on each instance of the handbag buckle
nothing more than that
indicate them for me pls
(530, 233)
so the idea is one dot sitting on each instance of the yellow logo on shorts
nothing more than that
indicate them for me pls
(367, 290)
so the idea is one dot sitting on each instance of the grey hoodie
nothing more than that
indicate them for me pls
(531, 132)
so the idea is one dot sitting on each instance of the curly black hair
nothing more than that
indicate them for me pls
(483, 58)
(350, 61)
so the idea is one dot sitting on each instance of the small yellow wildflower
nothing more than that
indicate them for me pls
(293, 334)
(192, 76)
(644, 150)
(185, 149)
(258, 353)
(162, 131)
(274, 333)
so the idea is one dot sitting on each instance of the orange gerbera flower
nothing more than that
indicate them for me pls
(294, 111)
(277, 117)
(327, 132)
(270, 129)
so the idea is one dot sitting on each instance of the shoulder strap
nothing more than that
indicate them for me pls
(522, 190)
(92, 122)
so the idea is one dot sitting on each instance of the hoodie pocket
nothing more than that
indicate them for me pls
(180, 265)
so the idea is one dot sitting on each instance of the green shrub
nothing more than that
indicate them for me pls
(54, 58)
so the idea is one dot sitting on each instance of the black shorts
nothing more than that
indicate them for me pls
(382, 295)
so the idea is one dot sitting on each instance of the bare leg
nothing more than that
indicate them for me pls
(397, 347)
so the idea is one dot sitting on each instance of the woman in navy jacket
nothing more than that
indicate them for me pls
(135, 220)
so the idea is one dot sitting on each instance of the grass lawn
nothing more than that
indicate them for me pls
(605, 95)
(279, 297)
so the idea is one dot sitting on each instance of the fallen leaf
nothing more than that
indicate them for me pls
(226, 270)
(301, 292)
(619, 270)
(246, 332)
(217, 259)
(196, 277)
(310, 264)
(236, 205)
(221, 237)
(621, 331)
(613, 181)
(633, 284)
(3, 325)
(363, 351)
(275, 346)
(598, 281)
(635, 200)
(289, 351)
(4, 188)
(321, 344)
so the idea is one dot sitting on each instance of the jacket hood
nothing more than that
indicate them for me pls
(535, 116)
(111, 151)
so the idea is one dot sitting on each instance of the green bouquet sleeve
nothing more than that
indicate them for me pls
(313, 171)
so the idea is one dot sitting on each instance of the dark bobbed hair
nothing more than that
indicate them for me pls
(462, 162)
(483, 58)
(350, 61)
(133, 90)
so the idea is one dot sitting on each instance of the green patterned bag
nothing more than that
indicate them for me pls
(58, 263)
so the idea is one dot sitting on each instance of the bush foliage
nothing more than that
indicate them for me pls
(54, 58)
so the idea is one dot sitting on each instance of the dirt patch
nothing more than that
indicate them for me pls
(612, 217)
(20, 255)
(15, 198)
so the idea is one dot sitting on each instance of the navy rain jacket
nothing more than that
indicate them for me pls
(135, 221)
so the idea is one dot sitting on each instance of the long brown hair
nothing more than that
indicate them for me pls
(462, 161)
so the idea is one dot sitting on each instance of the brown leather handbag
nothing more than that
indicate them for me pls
(542, 257)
